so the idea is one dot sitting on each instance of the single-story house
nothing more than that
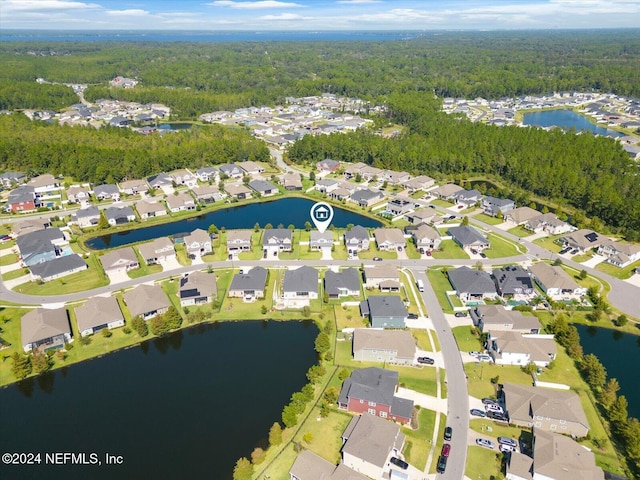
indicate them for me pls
(620, 254)
(197, 288)
(326, 185)
(250, 285)
(446, 192)
(389, 346)
(198, 243)
(77, 194)
(133, 187)
(160, 180)
(423, 215)
(366, 197)
(147, 301)
(389, 238)
(375, 275)
(87, 217)
(514, 348)
(521, 215)
(231, 170)
(29, 225)
(122, 259)
(469, 237)
(472, 285)
(277, 240)
(357, 239)
(328, 165)
(319, 240)
(291, 181)
(107, 191)
(555, 282)
(421, 182)
(342, 284)
(300, 284)
(395, 178)
(238, 190)
(548, 223)
(180, 202)
(399, 206)
(45, 329)
(157, 250)
(340, 194)
(492, 205)
(264, 187)
(57, 267)
(9, 179)
(514, 281)
(45, 185)
(207, 193)
(119, 215)
(309, 466)
(583, 240)
(98, 313)
(148, 209)
(251, 168)
(384, 311)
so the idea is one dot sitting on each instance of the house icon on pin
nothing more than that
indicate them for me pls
(321, 213)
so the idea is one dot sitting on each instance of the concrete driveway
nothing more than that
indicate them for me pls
(170, 263)
(117, 276)
(326, 253)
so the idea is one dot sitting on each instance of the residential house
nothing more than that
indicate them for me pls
(45, 185)
(29, 225)
(446, 192)
(42, 246)
(133, 187)
(493, 206)
(548, 223)
(291, 181)
(86, 217)
(472, 285)
(356, 239)
(380, 276)
(238, 190)
(342, 284)
(77, 194)
(147, 301)
(496, 318)
(514, 281)
(421, 182)
(120, 260)
(300, 284)
(249, 286)
(208, 174)
(107, 191)
(514, 348)
(366, 197)
(158, 250)
(469, 237)
(309, 466)
(467, 198)
(119, 215)
(120, 122)
(369, 173)
(161, 181)
(238, 241)
(197, 288)
(556, 283)
(181, 202)
(390, 239)
(148, 209)
(620, 254)
(321, 240)
(207, 193)
(57, 268)
(23, 199)
(399, 206)
(521, 215)
(389, 346)
(354, 169)
(326, 185)
(99, 313)
(425, 237)
(372, 390)
(263, 187)
(183, 177)
(9, 179)
(198, 243)
(395, 178)
(251, 168)
(384, 311)
(545, 409)
(276, 240)
(45, 329)
(423, 215)
(583, 240)
(341, 194)
(230, 170)
(328, 165)
(368, 445)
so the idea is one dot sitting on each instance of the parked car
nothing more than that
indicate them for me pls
(460, 207)
(426, 360)
(506, 448)
(460, 314)
(448, 432)
(421, 251)
(430, 206)
(507, 441)
(493, 407)
(412, 316)
(483, 442)
(446, 449)
(474, 353)
(399, 249)
(574, 251)
(5, 238)
(477, 412)
(564, 250)
(377, 259)
(484, 357)
(399, 463)
(428, 253)
(488, 401)
(442, 464)
(483, 255)
(497, 416)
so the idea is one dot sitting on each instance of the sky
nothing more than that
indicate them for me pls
(317, 15)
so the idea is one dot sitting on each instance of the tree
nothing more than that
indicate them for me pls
(358, 178)
(465, 221)
(212, 229)
(159, 325)
(306, 311)
(257, 456)
(268, 226)
(593, 371)
(618, 411)
(312, 176)
(478, 265)
(557, 262)
(331, 395)
(583, 274)
(275, 434)
(103, 223)
(315, 373)
(322, 343)
(21, 367)
(140, 326)
(173, 318)
(307, 226)
(344, 373)
(609, 393)
(243, 469)
(307, 437)
(291, 226)
(622, 320)
(41, 362)
(256, 227)
(290, 416)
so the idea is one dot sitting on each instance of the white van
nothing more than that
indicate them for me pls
(420, 285)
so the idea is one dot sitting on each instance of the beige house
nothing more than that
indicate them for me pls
(521, 215)
(198, 243)
(133, 187)
(389, 238)
(556, 283)
(198, 288)
(180, 202)
(97, 314)
(309, 466)
(378, 274)
(390, 346)
(148, 209)
(158, 250)
(45, 329)
(122, 259)
(147, 301)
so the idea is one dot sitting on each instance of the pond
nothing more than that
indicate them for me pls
(566, 119)
(187, 405)
(285, 211)
(174, 126)
(618, 352)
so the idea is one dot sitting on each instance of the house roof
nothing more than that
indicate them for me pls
(466, 195)
(497, 202)
(43, 181)
(524, 403)
(391, 236)
(399, 341)
(229, 168)
(262, 185)
(199, 236)
(118, 212)
(146, 298)
(372, 439)
(255, 279)
(29, 225)
(511, 278)
(22, 194)
(98, 311)
(466, 280)
(539, 348)
(366, 195)
(159, 180)
(316, 235)
(468, 236)
(43, 323)
(291, 179)
(447, 190)
(117, 257)
(381, 271)
(236, 189)
(39, 241)
(303, 279)
(150, 249)
(584, 239)
(205, 190)
(498, 315)
(558, 456)
(58, 266)
(522, 214)
(206, 171)
(358, 233)
(179, 200)
(90, 211)
(553, 276)
(239, 236)
(329, 163)
(348, 278)
(146, 207)
(198, 284)
(250, 167)
(278, 235)
(386, 306)
(520, 465)
(424, 231)
(327, 182)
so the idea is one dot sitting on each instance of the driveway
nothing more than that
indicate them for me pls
(425, 401)
(117, 276)
(11, 284)
(634, 280)
(593, 261)
(326, 253)
(170, 263)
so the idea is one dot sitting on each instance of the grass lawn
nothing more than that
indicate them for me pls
(7, 244)
(497, 429)
(441, 203)
(144, 270)
(520, 231)
(418, 442)
(489, 220)
(465, 340)
(441, 285)
(372, 252)
(621, 273)
(15, 274)
(422, 338)
(412, 250)
(339, 252)
(326, 433)
(450, 249)
(439, 442)
(501, 247)
(549, 243)
(349, 317)
(581, 258)
(417, 194)
(483, 463)
(8, 259)
(256, 248)
(181, 254)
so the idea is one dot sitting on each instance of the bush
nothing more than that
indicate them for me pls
(622, 320)
(21, 367)
(106, 333)
(275, 434)
(140, 326)
(84, 341)
(126, 330)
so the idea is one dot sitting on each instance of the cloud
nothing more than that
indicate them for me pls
(284, 16)
(358, 2)
(46, 5)
(261, 4)
(132, 12)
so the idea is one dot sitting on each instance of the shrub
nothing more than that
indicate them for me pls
(106, 333)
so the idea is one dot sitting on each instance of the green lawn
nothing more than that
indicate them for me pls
(422, 339)
(326, 433)
(483, 464)
(441, 285)
(520, 231)
(8, 259)
(450, 249)
(181, 254)
(349, 317)
(15, 274)
(501, 247)
(7, 244)
(489, 220)
(369, 254)
(144, 270)
(441, 203)
(412, 250)
(418, 442)
(582, 257)
(256, 248)
(465, 340)
(621, 273)
(549, 243)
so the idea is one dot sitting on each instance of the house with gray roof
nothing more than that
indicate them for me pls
(86, 217)
(319, 240)
(264, 187)
(497, 318)
(328, 165)
(389, 346)
(45, 329)
(275, 240)
(122, 259)
(367, 197)
(198, 243)
(425, 237)
(493, 205)
(300, 284)
(372, 391)
(356, 239)
(231, 170)
(157, 250)
(160, 180)
(9, 179)
(342, 284)
(149, 209)
(249, 286)
(389, 239)
(99, 313)
(467, 198)
(515, 348)
(197, 288)
(107, 191)
(119, 215)
(384, 311)
(327, 185)
(309, 466)
(423, 215)
(57, 268)
(548, 223)
(472, 285)
(23, 199)
(42, 246)
(77, 194)
(369, 443)
(469, 237)
(146, 301)
(206, 174)
(514, 281)
(399, 206)
(556, 283)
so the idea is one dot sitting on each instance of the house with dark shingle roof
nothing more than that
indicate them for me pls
(356, 239)
(57, 268)
(250, 285)
(97, 314)
(23, 199)
(366, 197)
(231, 170)
(469, 237)
(119, 215)
(472, 285)
(300, 284)
(160, 180)
(45, 329)
(42, 245)
(328, 165)
(275, 240)
(512, 281)
(87, 217)
(384, 311)
(107, 191)
(372, 391)
(342, 284)
(492, 205)
(263, 187)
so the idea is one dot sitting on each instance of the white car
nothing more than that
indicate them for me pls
(493, 407)
(484, 358)
(483, 442)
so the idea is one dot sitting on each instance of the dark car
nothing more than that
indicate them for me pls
(399, 463)
(564, 250)
(264, 254)
(460, 314)
(478, 413)
(428, 253)
(421, 251)
(489, 401)
(497, 416)
(399, 249)
(448, 432)
(412, 316)
(442, 464)
(426, 360)
(446, 449)
(377, 259)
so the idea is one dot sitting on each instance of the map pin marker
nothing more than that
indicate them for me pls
(321, 214)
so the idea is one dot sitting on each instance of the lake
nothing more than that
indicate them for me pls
(285, 211)
(566, 119)
(187, 405)
(618, 352)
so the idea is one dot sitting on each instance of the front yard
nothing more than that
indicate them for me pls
(449, 249)
(501, 247)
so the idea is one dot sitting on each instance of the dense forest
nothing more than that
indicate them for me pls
(194, 78)
(111, 154)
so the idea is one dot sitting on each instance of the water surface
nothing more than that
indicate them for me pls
(566, 119)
